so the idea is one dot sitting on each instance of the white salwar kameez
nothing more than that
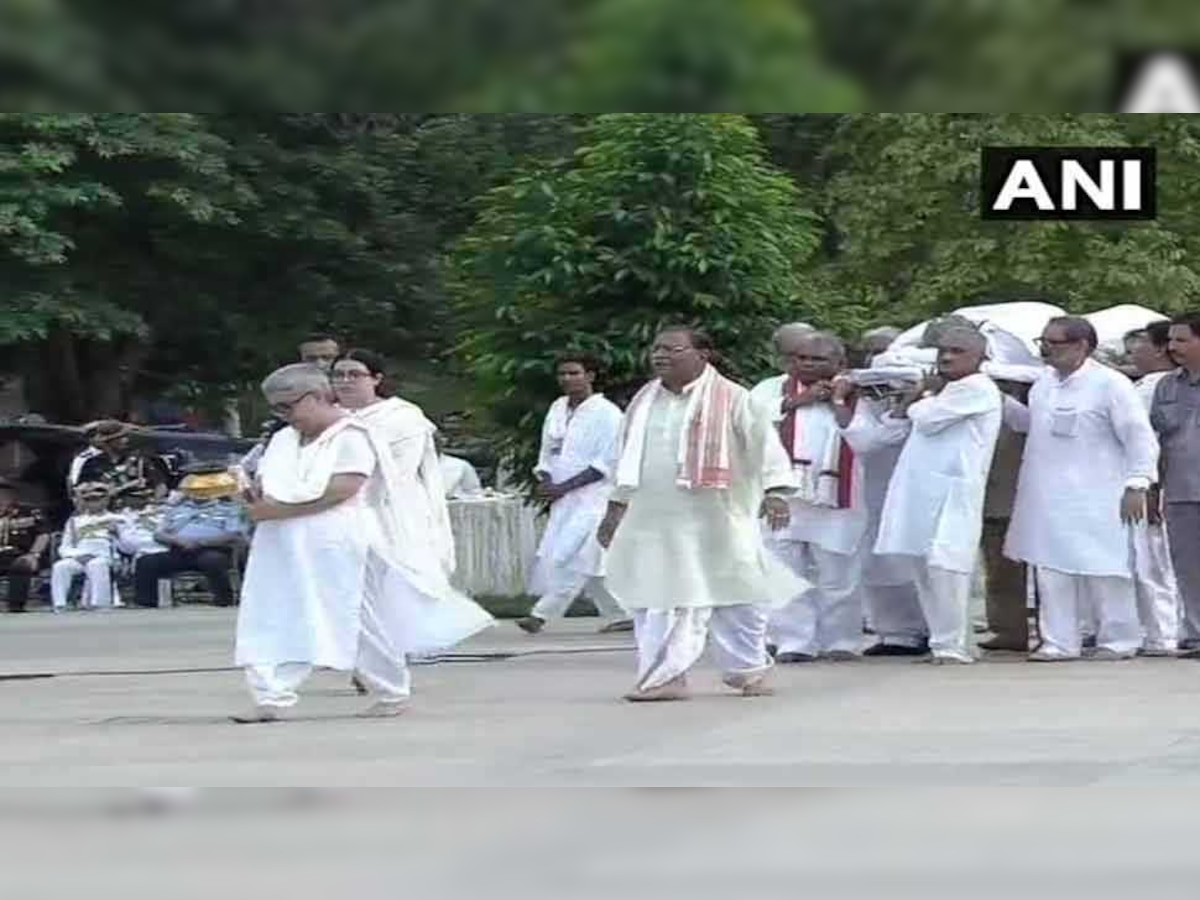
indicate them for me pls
(570, 560)
(934, 506)
(356, 587)
(821, 543)
(889, 591)
(1153, 574)
(689, 562)
(1089, 439)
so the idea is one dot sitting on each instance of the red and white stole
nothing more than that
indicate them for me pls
(830, 476)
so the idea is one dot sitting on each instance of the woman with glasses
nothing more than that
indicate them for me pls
(345, 569)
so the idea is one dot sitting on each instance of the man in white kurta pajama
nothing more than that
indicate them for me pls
(823, 541)
(580, 442)
(1089, 462)
(686, 555)
(934, 507)
(340, 574)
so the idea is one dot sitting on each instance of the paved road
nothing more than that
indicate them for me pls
(140, 698)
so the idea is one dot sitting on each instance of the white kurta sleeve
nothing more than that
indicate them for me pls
(355, 455)
(1131, 423)
(543, 460)
(600, 440)
(869, 431)
(762, 443)
(958, 400)
(1015, 414)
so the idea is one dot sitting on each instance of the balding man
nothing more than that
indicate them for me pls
(343, 570)
(823, 542)
(1089, 461)
(934, 507)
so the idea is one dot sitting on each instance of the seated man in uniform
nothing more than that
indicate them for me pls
(201, 533)
(24, 538)
(113, 460)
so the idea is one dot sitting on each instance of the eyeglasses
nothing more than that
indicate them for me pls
(348, 376)
(283, 410)
(670, 351)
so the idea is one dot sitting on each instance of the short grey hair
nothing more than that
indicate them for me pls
(974, 338)
(790, 328)
(829, 340)
(935, 329)
(294, 381)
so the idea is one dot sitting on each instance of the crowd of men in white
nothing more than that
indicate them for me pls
(767, 525)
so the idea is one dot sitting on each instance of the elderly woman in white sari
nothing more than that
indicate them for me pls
(344, 571)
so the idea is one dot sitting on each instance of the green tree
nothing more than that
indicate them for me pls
(905, 203)
(653, 219)
(676, 55)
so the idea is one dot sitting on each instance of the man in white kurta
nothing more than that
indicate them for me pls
(578, 456)
(824, 539)
(339, 575)
(1153, 574)
(1089, 461)
(890, 603)
(686, 554)
(934, 507)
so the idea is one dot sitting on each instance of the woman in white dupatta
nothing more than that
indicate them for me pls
(343, 573)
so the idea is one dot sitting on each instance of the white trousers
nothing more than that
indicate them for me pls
(945, 599)
(671, 641)
(1155, 587)
(894, 611)
(97, 582)
(1069, 602)
(828, 616)
(382, 669)
(565, 586)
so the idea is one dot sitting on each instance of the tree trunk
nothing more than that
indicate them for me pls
(74, 381)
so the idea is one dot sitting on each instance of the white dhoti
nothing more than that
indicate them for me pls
(97, 586)
(1067, 600)
(828, 617)
(945, 598)
(671, 641)
(1154, 585)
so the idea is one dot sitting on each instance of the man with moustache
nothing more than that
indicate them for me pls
(1175, 415)
(700, 464)
(1090, 459)
(823, 540)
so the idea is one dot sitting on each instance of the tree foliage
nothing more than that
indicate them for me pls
(653, 219)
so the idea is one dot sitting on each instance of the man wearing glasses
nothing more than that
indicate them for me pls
(1089, 462)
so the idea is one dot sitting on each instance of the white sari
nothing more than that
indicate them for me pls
(309, 578)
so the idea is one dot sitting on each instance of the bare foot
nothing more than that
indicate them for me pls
(675, 689)
(384, 709)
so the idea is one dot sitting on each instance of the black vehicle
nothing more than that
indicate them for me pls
(38, 457)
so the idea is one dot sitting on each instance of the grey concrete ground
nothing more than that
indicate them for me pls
(140, 698)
